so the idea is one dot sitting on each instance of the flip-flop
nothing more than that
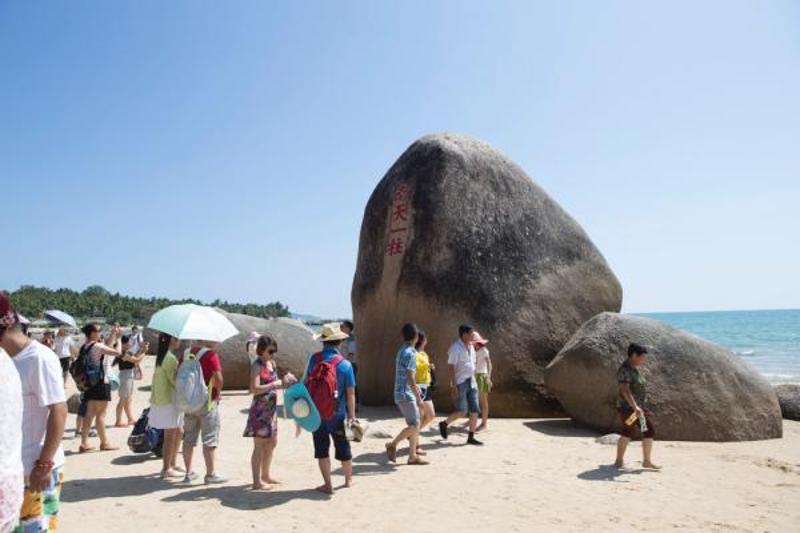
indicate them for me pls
(418, 461)
(391, 452)
(85, 449)
(109, 448)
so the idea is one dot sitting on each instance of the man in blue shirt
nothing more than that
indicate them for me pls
(407, 397)
(334, 428)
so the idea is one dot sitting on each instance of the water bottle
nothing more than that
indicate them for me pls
(642, 423)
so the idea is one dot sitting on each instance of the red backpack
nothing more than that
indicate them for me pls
(321, 385)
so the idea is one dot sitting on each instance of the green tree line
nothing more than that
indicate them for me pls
(97, 302)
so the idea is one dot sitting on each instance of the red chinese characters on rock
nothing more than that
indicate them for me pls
(398, 226)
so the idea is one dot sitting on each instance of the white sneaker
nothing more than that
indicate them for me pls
(214, 479)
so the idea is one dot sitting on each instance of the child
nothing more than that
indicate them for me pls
(483, 376)
(424, 381)
(262, 422)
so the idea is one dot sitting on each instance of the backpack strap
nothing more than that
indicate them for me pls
(318, 357)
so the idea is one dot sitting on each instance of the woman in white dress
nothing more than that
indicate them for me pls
(164, 414)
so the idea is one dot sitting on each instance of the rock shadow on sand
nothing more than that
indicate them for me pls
(241, 497)
(560, 427)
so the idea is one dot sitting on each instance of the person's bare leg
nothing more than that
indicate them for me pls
(129, 410)
(166, 451)
(413, 443)
(101, 425)
(647, 451)
(455, 416)
(484, 399)
(118, 420)
(266, 463)
(176, 444)
(87, 422)
(208, 457)
(428, 414)
(256, 462)
(325, 470)
(391, 447)
(347, 467)
(188, 452)
(622, 445)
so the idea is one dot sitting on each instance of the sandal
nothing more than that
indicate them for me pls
(418, 461)
(109, 448)
(85, 449)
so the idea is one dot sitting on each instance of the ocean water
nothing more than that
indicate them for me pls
(768, 340)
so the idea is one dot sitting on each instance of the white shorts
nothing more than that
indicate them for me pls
(126, 384)
(165, 417)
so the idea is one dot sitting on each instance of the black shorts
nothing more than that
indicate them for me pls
(427, 395)
(322, 442)
(99, 393)
(65, 362)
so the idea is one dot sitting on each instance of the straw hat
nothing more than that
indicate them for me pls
(331, 332)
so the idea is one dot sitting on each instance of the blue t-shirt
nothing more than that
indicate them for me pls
(405, 361)
(345, 379)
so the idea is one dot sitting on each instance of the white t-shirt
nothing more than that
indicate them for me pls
(63, 346)
(11, 471)
(482, 357)
(42, 386)
(136, 342)
(462, 357)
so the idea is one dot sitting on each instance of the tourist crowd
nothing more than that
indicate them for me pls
(32, 385)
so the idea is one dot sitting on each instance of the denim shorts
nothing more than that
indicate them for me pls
(410, 412)
(467, 401)
(322, 441)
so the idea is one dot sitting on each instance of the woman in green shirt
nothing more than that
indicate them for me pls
(632, 406)
(164, 413)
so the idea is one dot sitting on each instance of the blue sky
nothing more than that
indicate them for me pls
(227, 150)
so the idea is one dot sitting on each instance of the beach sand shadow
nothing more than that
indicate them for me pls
(126, 460)
(242, 498)
(608, 473)
(560, 427)
(78, 490)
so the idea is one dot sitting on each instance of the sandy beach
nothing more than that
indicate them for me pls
(545, 475)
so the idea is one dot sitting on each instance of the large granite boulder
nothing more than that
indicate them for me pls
(295, 343)
(456, 232)
(789, 400)
(697, 390)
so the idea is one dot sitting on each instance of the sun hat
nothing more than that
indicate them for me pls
(253, 337)
(331, 332)
(355, 432)
(301, 408)
(477, 339)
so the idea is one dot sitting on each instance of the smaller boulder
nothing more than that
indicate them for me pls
(789, 400)
(698, 391)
